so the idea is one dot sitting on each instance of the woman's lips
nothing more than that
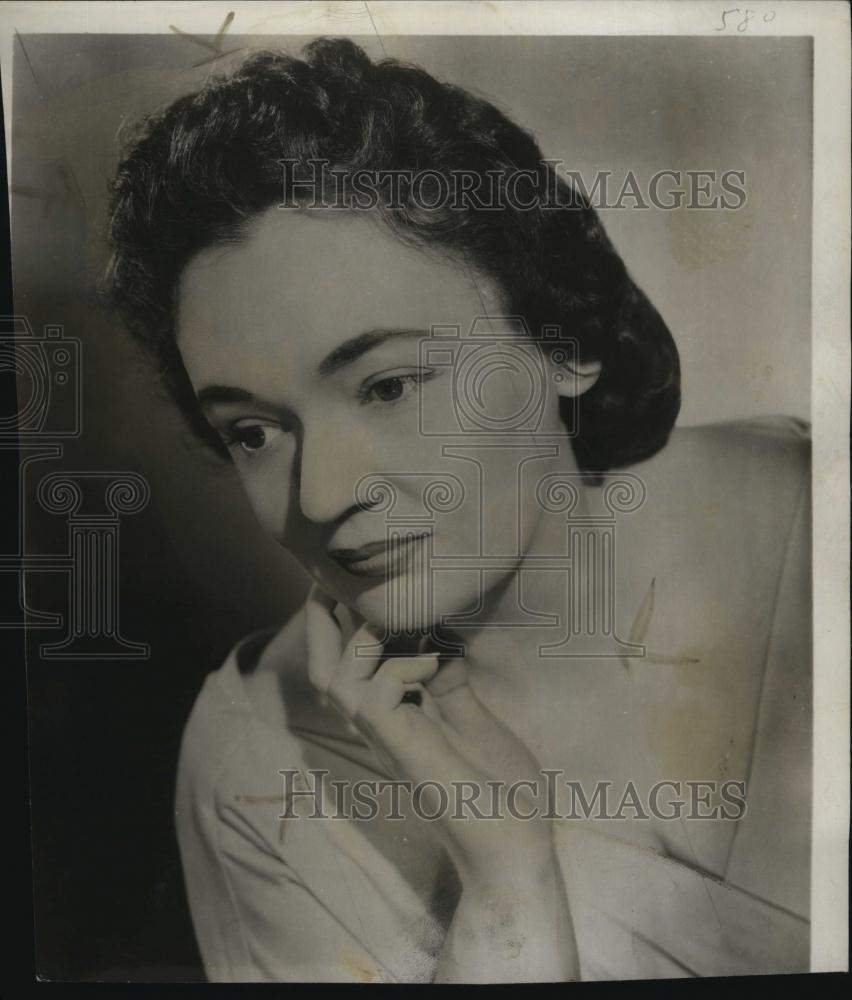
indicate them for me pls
(383, 559)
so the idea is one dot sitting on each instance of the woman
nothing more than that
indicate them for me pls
(430, 403)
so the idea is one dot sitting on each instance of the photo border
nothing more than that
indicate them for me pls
(827, 22)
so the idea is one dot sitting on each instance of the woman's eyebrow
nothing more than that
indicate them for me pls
(343, 355)
(210, 395)
(350, 350)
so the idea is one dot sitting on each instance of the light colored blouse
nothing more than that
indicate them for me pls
(306, 899)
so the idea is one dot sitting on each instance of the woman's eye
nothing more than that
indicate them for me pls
(389, 389)
(250, 438)
(394, 387)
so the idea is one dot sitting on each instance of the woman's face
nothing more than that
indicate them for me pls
(308, 346)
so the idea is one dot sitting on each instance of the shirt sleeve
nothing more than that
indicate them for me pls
(255, 918)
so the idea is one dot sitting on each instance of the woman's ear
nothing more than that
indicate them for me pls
(575, 379)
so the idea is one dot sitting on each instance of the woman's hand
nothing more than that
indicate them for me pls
(449, 738)
(513, 901)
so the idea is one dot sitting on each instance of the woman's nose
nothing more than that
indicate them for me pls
(331, 464)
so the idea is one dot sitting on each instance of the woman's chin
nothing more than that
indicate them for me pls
(396, 611)
(391, 620)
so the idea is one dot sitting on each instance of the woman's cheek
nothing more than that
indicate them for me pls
(269, 490)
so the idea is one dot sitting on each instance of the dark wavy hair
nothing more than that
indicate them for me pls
(200, 171)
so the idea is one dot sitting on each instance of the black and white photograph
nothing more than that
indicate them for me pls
(428, 426)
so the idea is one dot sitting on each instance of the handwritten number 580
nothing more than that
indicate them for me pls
(746, 16)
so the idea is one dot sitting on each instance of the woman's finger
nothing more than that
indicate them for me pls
(347, 683)
(429, 707)
(398, 680)
(409, 669)
(450, 682)
(362, 654)
(323, 637)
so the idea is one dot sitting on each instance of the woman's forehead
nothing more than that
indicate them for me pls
(321, 276)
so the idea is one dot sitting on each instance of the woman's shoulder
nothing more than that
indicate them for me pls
(733, 487)
(255, 714)
(238, 715)
(726, 527)
(778, 444)
(726, 516)
(760, 454)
